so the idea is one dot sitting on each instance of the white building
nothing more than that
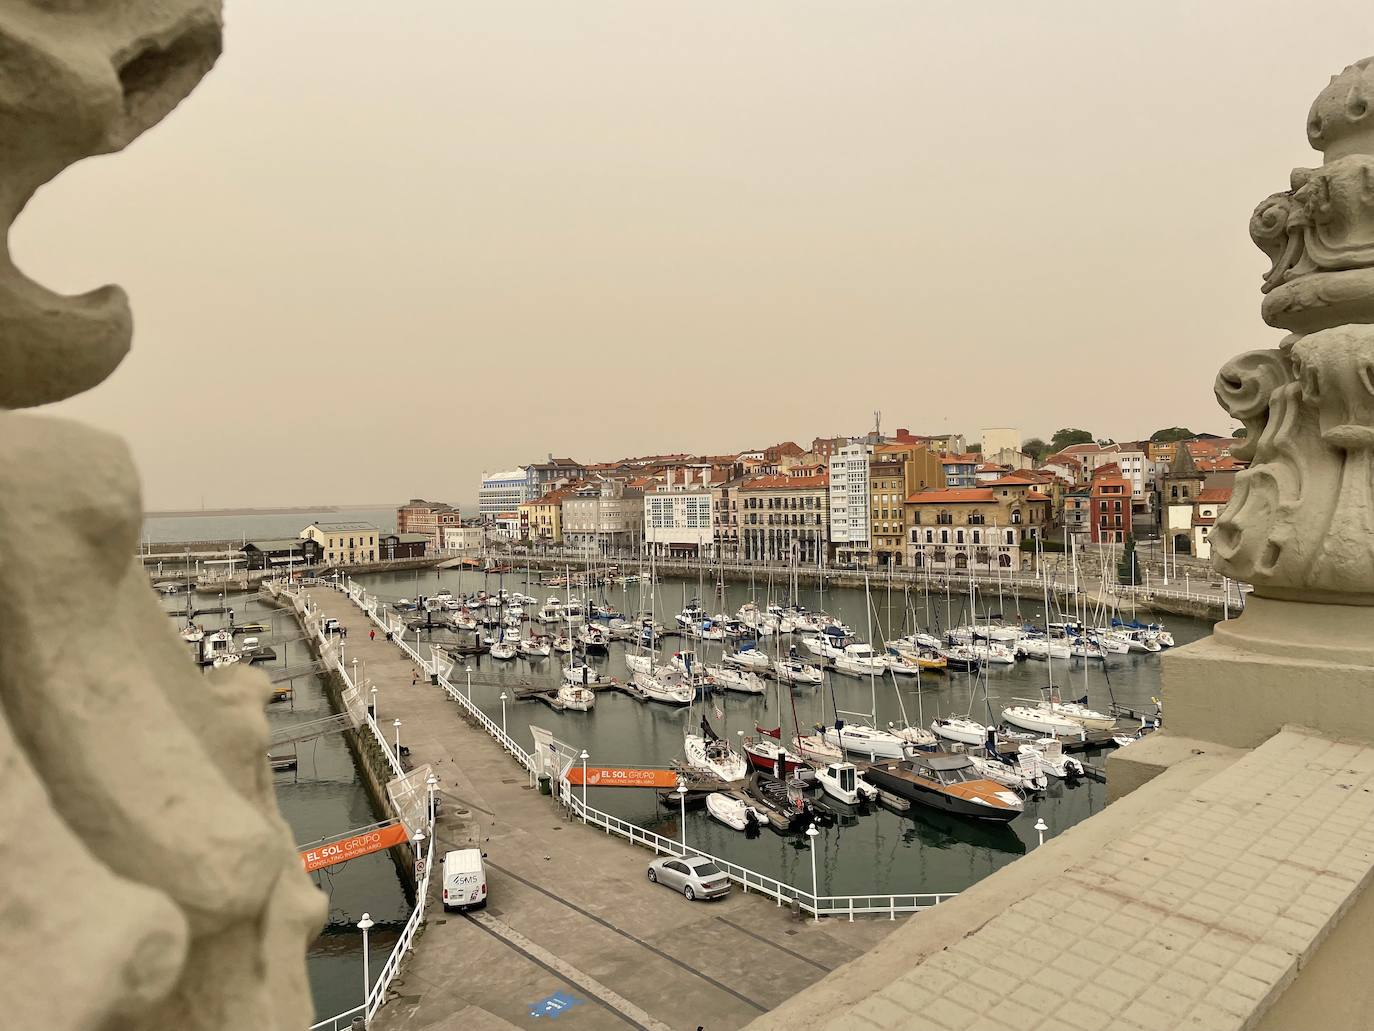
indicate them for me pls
(677, 516)
(998, 438)
(502, 492)
(344, 544)
(607, 518)
(849, 502)
(462, 538)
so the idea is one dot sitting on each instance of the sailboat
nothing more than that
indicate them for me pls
(708, 753)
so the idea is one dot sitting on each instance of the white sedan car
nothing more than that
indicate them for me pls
(695, 877)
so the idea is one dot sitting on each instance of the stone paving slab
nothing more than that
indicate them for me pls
(1198, 917)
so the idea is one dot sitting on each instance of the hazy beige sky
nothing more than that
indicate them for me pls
(384, 247)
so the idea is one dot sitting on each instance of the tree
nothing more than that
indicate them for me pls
(1035, 447)
(1068, 436)
(1171, 435)
(1128, 569)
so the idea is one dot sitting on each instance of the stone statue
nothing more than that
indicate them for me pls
(149, 882)
(1300, 525)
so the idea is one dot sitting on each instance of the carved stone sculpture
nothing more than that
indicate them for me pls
(1300, 525)
(148, 880)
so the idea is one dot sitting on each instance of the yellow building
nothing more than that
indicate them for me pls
(542, 518)
(344, 544)
(895, 472)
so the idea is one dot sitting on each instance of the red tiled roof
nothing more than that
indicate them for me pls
(1213, 495)
(1204, 520)
(1035, 495)
(951, 496)
(786, 482)
(965, 459)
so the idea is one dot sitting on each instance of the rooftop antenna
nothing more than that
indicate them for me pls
(877, 424)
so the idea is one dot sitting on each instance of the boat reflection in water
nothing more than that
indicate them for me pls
(934, 829)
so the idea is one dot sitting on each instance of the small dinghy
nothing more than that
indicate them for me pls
(735, 813)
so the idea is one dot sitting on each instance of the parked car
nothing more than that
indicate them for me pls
(465, 879)
(695, 877)
(331, 626)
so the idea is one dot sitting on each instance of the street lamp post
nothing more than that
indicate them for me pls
(468, 671)
(355, 671)
(396, 723)
(431, 782)
(418, 843)
(584, 757)
(682, 802)
(365, 925)
(503, 713)
(374, 701)
(811, 835)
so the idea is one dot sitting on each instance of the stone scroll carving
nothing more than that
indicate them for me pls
(1301, 520)
(148, 880)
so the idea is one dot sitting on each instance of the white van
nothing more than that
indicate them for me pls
(465, 879)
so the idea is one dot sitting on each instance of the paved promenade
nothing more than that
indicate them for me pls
(570, 908)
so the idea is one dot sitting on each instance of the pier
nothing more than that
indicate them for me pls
(570, 907)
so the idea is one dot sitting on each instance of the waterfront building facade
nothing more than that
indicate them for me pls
(678, 519)
(427, 517)
(725, 513)
(849, 502)
(282, 553)
(1078, 515)
(605, 518)
(463, 538)
(1109, 505)
(896, 471)
(392, 546)
(502, 493)
(542, 518)
(972, 528)
(961, 470)
(541, 477)
(785, 518)
(345, 543)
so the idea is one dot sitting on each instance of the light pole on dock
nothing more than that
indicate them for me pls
(375, 713)
(682, 803)
(811, 835)
(1040, 828)
(584, 758)
(503, 713)
(397, 724)
(431, 782)
(468, 671)
(365, 925)
(418, 843)
(355, 671)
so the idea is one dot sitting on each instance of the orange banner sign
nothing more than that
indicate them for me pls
(341, 851)
(618, 777)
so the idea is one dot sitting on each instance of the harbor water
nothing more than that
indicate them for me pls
(879, 853)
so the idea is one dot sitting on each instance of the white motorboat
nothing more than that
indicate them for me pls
(1085, 648)
(794, 671)
(1136, 640)
(1049, 753)
(213, 645)
(1041, 719)
(579, 673)
(665, 685)
(691, 615)
(574, 614)
(192, 633)
(1109, 642)
(551, 612)
(714, 756)
(841, 781)
(860, 660)
(684, 661)
(1043, 648)
(640, 663)
(990, 652)
(576, 697)
(563, 644)
(728, 679)
(995, 632)
(960, 728)
(504, 650)
(816, 749)
(224, 659)
(1025, 774)
(747, 658)
(913, 737)
(535, 647)
(866, 741)
(593, 638)
(1081, 714)
(733, 812)
(515, 612)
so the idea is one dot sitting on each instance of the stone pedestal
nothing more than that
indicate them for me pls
(1281, 663)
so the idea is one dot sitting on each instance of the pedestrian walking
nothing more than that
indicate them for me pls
(414, 678)
(372, 635)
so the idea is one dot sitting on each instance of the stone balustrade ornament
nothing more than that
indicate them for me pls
(149, 881)
(1300, 525)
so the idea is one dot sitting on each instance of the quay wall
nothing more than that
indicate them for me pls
(371, 765)
(248, 580)
(1174, 602)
